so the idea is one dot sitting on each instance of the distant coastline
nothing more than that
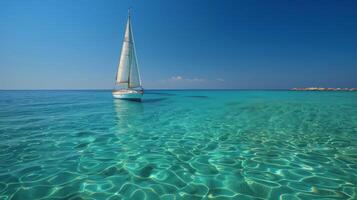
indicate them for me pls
(323, 89)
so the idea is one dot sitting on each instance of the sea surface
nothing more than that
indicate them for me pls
(178, 145)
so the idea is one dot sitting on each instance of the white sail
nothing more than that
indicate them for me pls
(128, 72)
(134, 76)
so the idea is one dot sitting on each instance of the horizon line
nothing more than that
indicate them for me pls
(144, 89)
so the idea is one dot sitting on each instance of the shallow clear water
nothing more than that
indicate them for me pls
(178, 145)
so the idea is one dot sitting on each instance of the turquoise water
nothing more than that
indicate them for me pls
(178, 145)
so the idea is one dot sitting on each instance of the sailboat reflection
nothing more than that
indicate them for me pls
(128, 114)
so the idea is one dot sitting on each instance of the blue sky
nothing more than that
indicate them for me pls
(180, 44)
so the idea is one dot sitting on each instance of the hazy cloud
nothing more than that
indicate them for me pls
(182, 79)
(182, 82)
(176, 78)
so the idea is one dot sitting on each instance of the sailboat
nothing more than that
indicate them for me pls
(128, 82)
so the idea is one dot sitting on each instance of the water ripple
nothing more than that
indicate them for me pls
(213, 145)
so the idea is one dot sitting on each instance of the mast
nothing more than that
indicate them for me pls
(130, 57)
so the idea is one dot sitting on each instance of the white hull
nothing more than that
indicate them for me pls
(128, 94)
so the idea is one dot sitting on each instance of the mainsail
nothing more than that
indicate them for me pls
(128, 72)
